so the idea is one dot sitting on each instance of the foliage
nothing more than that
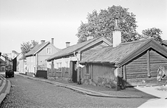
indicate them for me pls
(34, 43)
(102, 24)
(27, 46)
(152, 33)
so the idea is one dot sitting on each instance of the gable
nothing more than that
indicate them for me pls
(48, 50)
(149, 45)
(36, 49)
(99, 43)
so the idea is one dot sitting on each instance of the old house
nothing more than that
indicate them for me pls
(64, 63)
(135, 62)
(36, 58)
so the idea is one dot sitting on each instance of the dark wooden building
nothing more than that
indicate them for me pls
(134, 62)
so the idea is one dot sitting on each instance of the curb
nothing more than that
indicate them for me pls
(7, 90)
(80, 90)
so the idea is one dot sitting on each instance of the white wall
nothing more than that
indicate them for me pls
(31, 64)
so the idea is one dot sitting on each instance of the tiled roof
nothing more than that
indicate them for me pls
(71, 49)
(114, 55)
(36, 49)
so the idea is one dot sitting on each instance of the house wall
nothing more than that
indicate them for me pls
(31, 64)
(43, 55)
(137, 70)
(156, 60)
(99, 74)
(21, 66)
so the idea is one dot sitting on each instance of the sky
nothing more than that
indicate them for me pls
(26, 20)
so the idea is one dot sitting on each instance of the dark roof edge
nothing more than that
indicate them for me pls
(96, 62)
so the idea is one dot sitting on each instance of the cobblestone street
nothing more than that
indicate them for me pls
(27, 93)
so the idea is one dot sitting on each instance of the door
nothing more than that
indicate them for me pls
(74, 71)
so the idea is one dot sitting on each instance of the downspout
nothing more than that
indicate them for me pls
(116, 72)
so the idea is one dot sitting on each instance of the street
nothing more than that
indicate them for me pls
(27, 93)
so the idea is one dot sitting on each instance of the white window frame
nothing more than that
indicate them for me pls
(48, 50)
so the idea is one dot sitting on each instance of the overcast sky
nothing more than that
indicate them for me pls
(26, 20)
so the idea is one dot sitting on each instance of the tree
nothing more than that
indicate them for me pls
(102, 24)
(34, 43)
(27, 46)
(153, 33)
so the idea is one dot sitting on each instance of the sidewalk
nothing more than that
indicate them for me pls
(159, 91)
(96, 90)
(5, 86)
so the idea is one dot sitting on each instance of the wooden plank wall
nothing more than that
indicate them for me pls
(156, 60)
(137, 68)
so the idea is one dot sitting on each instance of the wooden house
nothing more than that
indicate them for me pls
(21, 63)
(36, 58)
(64, 63)
(133, 62)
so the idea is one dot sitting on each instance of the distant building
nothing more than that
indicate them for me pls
(21, 63)
(36, 58)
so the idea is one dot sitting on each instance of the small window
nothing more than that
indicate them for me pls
(59, 66)
(67, 66)
(48, 51)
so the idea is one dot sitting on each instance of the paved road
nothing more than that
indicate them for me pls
(27, 93)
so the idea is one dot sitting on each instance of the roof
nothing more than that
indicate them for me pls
(21, 56)
(164, 42)
(2, 61)
(77, 47)
(121, 54)
(36, 49)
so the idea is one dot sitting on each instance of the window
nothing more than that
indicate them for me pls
(67, 66)
(48, 51)
(59, 66)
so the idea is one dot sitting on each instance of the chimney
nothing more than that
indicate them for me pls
(89, 37)
(42, 41)
(116, 34)
(52, 41)
(67, 44)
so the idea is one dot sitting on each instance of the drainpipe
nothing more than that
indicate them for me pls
(79, 69)
(116, 73)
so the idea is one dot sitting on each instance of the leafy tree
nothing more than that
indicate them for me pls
(102, 24)
(152, 33)
(27, 46)
(34, 43)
